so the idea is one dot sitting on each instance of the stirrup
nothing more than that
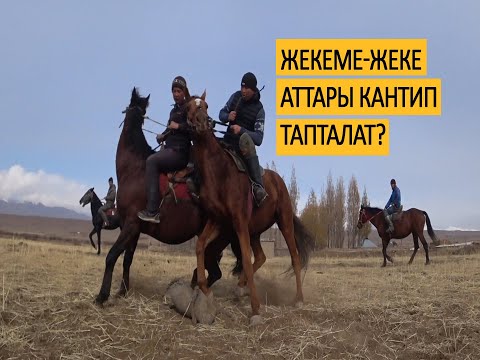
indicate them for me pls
(146, 216)
(258, 202)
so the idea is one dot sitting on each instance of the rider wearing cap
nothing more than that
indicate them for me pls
(245, 116)
(393, 205)
(109, 201)
(174, 156)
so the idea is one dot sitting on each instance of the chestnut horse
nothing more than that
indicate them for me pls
(408, 222)
(226, 196)
(97, 221)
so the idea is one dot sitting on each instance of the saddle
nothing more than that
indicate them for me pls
(175, 184)
(397, 215)
(238, 160)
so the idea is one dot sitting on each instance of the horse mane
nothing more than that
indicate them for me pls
(136, 136)
(374, 209)
(95, 196)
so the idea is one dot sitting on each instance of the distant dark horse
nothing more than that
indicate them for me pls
(95, 204)
(408, 222)
(225, 195)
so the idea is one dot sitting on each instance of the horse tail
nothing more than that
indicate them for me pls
(430, 230)
(305, 241)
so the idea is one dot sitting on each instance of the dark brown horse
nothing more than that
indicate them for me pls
(180, 222)
(226, 197)
(408, 222)
(97, 221)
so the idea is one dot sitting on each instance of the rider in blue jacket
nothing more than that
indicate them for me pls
(393, 205)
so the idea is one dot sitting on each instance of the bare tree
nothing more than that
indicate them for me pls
(329, 204)
(339, 213)
(294, 191)
(311, 219)
(273, 167)
(353, 207)
(367, 227)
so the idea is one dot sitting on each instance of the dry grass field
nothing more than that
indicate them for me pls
(353, 308)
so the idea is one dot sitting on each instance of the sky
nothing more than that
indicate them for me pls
(67, 70)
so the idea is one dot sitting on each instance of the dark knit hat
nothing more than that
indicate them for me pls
(110, 179)
(249, 81)
(180, 83)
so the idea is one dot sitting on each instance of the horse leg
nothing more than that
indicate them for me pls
(415, 248)
(241, 228)
(208, 234)
(259, 259)
(212, 262)
(286, 227)
(125, 237)
(425, 247)
(384, 251)
(99, 239)
(90, 237)
(127, 261)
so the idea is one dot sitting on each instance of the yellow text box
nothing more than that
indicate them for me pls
(324, 137)
(318, 57)
(359, 96)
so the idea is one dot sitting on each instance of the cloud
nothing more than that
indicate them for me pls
(18, 184)
(454, 228)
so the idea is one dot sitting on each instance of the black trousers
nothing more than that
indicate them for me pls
(163, 161)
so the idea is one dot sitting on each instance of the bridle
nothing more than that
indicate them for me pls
(363, 212)
(209, 121)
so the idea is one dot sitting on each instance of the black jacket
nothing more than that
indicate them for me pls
(178, 139)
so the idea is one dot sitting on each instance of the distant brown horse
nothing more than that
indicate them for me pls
(226, 196)
(180, 222)
(408, 222)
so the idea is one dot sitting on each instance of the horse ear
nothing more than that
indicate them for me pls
(148, 97)
(204, 95)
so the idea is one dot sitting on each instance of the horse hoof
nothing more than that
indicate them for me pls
(299, 304)
(121, 294)
(256, 320)
(100, 300)
(241, 291)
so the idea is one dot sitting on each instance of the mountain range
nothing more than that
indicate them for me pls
(31, 209)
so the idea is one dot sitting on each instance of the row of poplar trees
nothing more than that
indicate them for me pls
(332, 214)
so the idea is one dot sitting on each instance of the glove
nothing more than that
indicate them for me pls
(160, 138)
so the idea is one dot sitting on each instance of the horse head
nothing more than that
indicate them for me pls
(362, 217)
(87, 197)
(136, 110)
(197, 115)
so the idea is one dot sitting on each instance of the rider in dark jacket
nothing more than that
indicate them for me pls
(246, 118)
(174, 156)
(109, 202)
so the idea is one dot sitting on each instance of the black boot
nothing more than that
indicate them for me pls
(151, 213)
(389, 221)
(254, 170)
(104, 218)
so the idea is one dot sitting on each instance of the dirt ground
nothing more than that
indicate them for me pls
(353, 308)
